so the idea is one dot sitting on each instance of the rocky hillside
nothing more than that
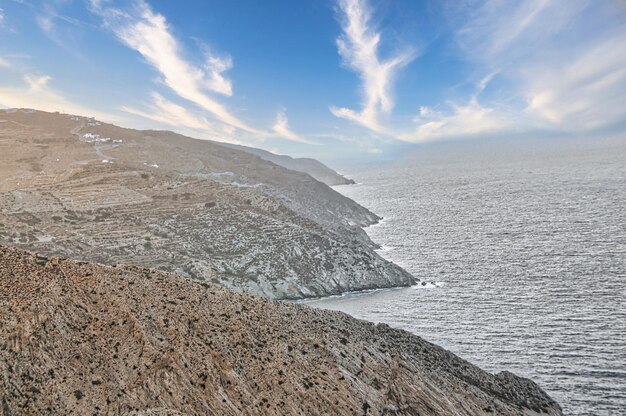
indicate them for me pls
(79, 188)
(79, 338)
(313, 167)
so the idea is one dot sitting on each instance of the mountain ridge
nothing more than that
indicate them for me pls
(308, 165)
(80, 188)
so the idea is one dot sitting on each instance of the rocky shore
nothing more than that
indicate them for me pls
(79, 338)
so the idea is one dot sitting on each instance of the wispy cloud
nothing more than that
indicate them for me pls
(149, 34)
(215, 67)
(37, 83)
(63, 30)
(170, 115)
(167, 112)
(281, 128)
(587, 93)
(469, 119)
(36, 92)
(45, 24)
(359, 47)
(466, 120)
(564, 61)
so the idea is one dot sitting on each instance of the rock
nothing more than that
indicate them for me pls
(158, 344)
(208, 212)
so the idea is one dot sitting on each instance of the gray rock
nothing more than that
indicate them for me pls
(193, 207)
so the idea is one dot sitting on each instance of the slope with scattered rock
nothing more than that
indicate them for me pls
(78, 338)
(79, 188)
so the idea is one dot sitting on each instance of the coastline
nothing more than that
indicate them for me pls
(352, 293)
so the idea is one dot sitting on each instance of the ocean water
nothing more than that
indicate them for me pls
(524, 249)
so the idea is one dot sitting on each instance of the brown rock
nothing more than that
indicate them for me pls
(78, 338)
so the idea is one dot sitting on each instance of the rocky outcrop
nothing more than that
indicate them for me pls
(79, 188)
(313, 167)
(79, 338)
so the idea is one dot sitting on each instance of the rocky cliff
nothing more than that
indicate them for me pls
(79, 338)
(83, 189)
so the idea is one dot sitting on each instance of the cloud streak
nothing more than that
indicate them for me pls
(171, 115)
(36, 92)
(167, 112)
(564, 60)
(216, 66)
(560, 67)
(586, 94)
(359, 47)
(281, 128)
(149, 34)
(469, 120)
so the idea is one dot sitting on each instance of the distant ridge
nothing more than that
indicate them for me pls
(313, 167)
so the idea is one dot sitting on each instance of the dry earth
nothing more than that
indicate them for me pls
(78, 338)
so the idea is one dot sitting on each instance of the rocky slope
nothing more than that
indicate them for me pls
(313, 167)
(76, 187)
(79, 338)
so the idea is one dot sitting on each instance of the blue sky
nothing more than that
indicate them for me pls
(334, 79)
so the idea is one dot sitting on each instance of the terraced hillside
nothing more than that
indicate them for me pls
(79, 188)
(78, 339)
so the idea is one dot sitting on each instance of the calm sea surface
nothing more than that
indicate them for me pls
(525, 252)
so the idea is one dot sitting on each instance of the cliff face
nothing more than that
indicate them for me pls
(78, 338)
(82, 189)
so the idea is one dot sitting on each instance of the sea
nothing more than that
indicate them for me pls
(520, 247)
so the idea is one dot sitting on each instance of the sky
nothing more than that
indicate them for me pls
(332, 79)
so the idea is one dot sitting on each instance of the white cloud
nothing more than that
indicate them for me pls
(471, 119)
(461, 120)
(36, 83)
(565, 60)
(215, 80)
(4, 63)
(281, 128)
(170, 113)
(149, 34)
(1, 16)
(558, 66)
(587, 93)
(36, 93)
(359, 49)
(45, 23)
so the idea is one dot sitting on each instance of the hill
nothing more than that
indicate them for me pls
(79, 188)
(313, 167)
(78, 338)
